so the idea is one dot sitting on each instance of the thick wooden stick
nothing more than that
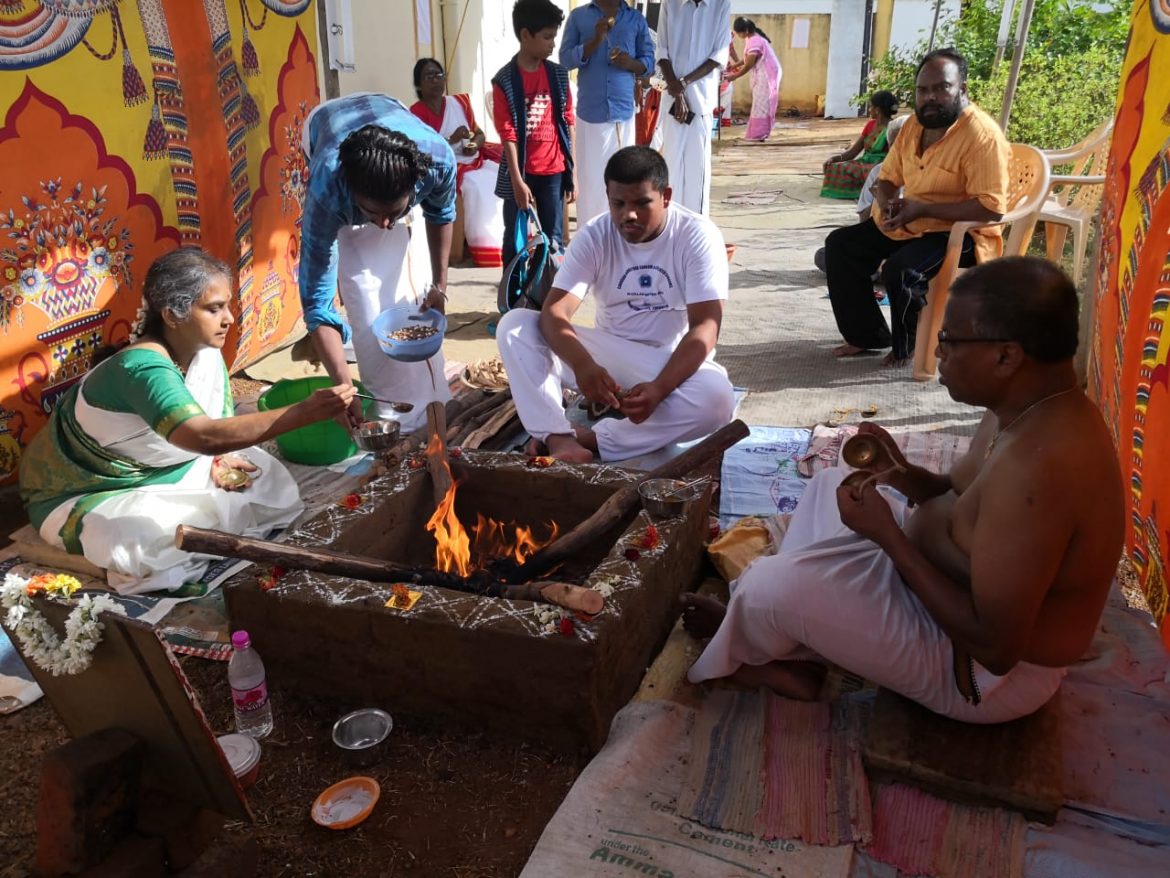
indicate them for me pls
(619, 504)
(484, 413)
(499, 417)
(436, 452)
(456, 411)
(215, 542)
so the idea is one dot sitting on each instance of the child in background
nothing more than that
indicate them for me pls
(533, 111)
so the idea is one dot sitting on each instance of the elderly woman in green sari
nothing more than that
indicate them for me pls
(845, 172)
(148, 440)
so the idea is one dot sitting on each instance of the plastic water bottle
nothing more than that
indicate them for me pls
(249, 688)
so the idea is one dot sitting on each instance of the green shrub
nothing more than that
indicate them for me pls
(1068, 78)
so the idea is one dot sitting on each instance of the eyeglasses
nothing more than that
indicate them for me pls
(945, 338)
(434, 77)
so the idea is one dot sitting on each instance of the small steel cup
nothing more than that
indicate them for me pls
(376, 435)
(361, 735)
(667, 498)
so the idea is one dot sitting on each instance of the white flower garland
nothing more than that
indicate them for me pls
(39, 641)
(139, 324)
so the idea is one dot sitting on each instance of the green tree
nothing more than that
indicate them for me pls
(1068, 78)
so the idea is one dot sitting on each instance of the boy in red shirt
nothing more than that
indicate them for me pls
(533, 111)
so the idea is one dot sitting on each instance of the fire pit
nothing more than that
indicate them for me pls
(483, 663)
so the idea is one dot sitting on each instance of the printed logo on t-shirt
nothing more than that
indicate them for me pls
(644, 287)
(538, 111)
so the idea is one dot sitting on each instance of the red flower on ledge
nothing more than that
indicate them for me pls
(566, 626)
(352, 500)
(651, 539)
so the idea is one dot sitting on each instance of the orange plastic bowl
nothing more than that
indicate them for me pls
(346, 803)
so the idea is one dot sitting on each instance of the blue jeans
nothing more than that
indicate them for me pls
(549, 202)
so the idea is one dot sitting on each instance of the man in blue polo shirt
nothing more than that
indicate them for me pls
(375, 173)
(610, 44)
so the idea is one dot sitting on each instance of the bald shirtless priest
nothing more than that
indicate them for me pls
(974, 603)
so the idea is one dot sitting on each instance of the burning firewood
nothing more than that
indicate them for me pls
(485, 582)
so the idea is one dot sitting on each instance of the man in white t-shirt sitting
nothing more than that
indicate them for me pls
(658, 275)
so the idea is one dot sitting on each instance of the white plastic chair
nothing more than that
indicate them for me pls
(1028, 174)
(1074, 198)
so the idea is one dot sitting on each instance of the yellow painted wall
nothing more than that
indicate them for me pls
(805, 70)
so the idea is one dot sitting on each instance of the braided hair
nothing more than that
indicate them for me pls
(381, 164)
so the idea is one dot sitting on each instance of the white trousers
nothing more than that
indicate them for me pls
(840, 595)
(699, 406)
(596, 144)
(378, 269)
(687, 150)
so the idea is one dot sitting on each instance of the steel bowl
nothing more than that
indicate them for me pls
(361, 735)
(376, 435)
(660, 502)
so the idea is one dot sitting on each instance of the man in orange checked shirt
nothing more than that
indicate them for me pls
(951, 162)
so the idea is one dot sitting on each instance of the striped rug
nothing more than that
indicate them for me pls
(777, 768)
(924, 835)
(725, 781)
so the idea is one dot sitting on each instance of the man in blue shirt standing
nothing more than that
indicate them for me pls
(610, 44)
(375, 172)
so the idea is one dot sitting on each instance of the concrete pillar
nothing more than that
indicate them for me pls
(882, 26)
(846, 37)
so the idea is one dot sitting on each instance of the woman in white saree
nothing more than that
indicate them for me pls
(478, 161)
(147, 440)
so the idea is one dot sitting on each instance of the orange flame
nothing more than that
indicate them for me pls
(492, 541)
(453, 549)
(453, 546)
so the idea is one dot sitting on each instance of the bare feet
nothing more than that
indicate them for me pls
(796, 679)
(701, 615)
(586, 437)
(893, 362)
(848, 350)
(535, 448)
(568, 449)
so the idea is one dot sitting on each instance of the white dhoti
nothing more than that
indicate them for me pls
(700, 405)
(596, 144)
(483, 215)
(132, 535)
(838, 594)
(687, 150)
(378, 269)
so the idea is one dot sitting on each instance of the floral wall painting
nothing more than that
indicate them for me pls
(1129, 373)
(128, 128)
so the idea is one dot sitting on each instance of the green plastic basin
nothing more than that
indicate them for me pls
(318, 444)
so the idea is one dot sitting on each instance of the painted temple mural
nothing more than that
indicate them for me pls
(1129, 374)
(128, 128)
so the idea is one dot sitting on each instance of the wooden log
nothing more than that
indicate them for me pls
(456, 410)
(498, 419)
(619, 504)
(436, 452)
(481, 416)
(226, 545)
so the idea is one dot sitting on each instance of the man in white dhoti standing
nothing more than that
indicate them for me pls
(975, 604)
(658, 275)
(693, 41)
(375, 172)
(609, 44)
